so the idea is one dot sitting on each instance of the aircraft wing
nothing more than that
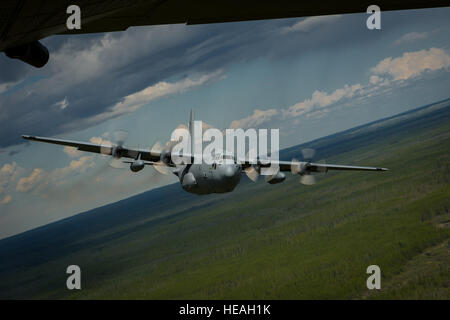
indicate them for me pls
(320, 167)
(26, 21)
(154, 157)
(125, 152)
(311, 166)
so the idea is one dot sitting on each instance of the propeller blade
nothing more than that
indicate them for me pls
(171, 144)
(308, 154)
(161, 167)
(270, 177)
(157, 148)
(308, 179)
(295, 166)
(117, 164)
(119, 137)
(252, 173)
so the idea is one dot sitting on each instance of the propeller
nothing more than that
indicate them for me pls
(308, 179)
(164, 150)
(308, 154)
(120, 137)
(298, 167)
(116, 150)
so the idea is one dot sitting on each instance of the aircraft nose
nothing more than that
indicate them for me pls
(229, 171)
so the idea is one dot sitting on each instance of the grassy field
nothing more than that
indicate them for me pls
(285, 241)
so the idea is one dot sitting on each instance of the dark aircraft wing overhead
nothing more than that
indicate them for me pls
(26, 21)
(125, 152)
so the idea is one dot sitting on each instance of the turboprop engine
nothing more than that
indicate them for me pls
(165, 156)
(189, 181)
(117, 152)
(137, 165)
(276, 178)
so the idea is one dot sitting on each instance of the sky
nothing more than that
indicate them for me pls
(307, 77)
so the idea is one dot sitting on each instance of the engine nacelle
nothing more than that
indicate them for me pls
(189, 181)
(33, 53)
(166, 157)
(276, 178)
(117, 152)
(137, 165)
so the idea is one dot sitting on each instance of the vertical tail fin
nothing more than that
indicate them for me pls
(191, 130)
(191, 122)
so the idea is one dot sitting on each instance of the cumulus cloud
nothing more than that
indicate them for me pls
(161, 89)
(6, 199)
(384, 75)
(40, 179)
(101, 140)
(256, 119)
(411, 37)
(316, 106)
(80, 165)
(310, 23)
(375, 79)
(321, 99)
(28, 183)
(412, 64)
(72, 152)
(9, 174)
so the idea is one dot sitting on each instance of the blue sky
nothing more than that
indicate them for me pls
(308, 77)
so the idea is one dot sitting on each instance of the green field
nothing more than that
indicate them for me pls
(284, 241)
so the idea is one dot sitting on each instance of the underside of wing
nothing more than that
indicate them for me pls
(26, 21)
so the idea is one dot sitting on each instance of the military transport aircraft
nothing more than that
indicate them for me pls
(221, 175)
(24, 22)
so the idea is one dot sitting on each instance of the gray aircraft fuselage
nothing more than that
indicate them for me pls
(209, 178)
